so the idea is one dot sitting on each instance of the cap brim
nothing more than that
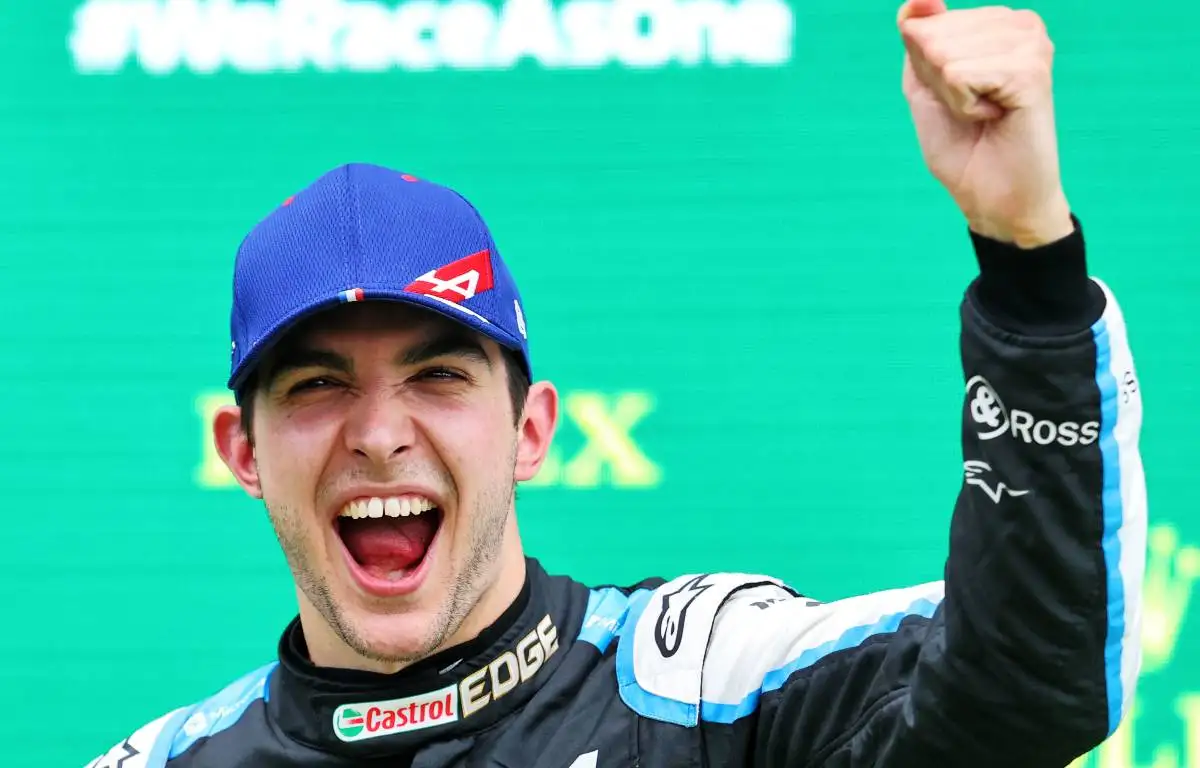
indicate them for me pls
(442, 307)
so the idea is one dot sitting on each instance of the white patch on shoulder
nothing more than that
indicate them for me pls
(756, 647)
(661, 667)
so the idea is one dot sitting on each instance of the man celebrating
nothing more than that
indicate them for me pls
(386, 411)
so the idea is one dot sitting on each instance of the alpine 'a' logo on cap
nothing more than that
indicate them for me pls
(355, 722)
(457, 281)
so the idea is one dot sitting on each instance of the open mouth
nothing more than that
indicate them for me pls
(388, 538)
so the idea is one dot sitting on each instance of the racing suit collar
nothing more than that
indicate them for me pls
(452, 694)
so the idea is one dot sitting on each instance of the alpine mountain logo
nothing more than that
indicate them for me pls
(992, 419)
(975, 472)
(457, 281)
(668, 631)
(356, 722)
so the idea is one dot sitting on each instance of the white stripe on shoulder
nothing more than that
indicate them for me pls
(1125, 516)
(757, 645)
(705, 647)
(661, 654)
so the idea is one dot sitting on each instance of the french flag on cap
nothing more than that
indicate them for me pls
(354, 294)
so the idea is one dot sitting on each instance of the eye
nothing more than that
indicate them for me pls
(313, 383)
(440, 373)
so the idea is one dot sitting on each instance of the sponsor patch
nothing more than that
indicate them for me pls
(369, 720)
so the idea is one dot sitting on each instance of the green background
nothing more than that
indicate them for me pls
(755, 252)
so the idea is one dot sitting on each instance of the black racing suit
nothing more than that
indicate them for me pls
(1026, 654)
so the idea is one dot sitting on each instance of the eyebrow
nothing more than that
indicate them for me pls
(450, 344)
(297, 357)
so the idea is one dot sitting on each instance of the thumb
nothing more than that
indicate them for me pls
(918, 9)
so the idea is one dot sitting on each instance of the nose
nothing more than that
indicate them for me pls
(379, 426)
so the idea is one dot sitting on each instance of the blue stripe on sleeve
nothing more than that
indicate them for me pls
(774, 679)
(683, 713)
(1113, 516)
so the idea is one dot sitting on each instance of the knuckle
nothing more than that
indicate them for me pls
(1036, 77)
(1030, 65)
(1030, 20)
(952, 74)
(935, 53)
(1041, 57)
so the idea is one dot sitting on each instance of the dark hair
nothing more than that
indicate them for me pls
(518, 388)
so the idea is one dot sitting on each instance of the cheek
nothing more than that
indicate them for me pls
(290, 461)
(478, 449)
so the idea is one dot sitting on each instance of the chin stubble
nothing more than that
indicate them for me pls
(476, 575)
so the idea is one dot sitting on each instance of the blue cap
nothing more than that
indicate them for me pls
(364, 233)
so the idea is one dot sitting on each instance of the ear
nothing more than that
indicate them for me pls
(235, 448)
(535, 431)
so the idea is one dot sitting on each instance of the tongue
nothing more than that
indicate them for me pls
(387, 544)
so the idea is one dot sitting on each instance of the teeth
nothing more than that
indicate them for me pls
(392, 506)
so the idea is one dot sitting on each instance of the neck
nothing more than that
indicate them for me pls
(327, 649)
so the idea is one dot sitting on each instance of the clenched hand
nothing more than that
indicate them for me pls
(979, 85)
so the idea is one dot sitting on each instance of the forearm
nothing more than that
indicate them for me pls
(1030, 659)
(1045, 572)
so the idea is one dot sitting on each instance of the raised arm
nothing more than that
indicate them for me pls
(1026, 654)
